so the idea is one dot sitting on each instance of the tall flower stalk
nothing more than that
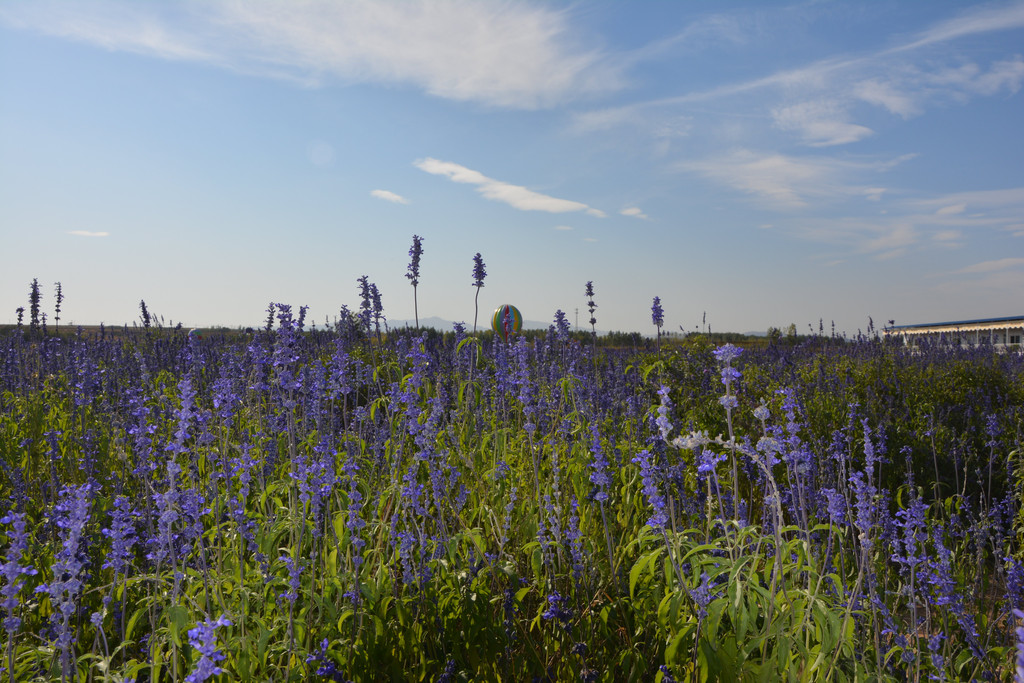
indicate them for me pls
(66, 586)
(479, 273)
(658, 318)
(415, 252)
(13, 573)
(726, 355)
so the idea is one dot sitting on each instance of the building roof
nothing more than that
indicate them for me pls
(954, 325)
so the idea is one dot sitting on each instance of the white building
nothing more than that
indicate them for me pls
(999, 332)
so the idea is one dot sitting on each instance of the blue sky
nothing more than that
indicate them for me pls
(758, 163)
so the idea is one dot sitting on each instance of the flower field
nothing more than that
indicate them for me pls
(353, 504)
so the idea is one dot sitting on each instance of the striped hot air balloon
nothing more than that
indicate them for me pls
(506, 321)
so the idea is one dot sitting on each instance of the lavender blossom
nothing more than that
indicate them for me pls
(1019, 632)
(204, 639)
(327, 668)
(479, 272)
(294, 578)
(415, 252)
(366, 303)
(561, 326)
(122, 536)
(664, 407)
(574, 537)
(702, 596)
(478, 281)
(414, 272)
(591, 306)
(657, 314)
(649, 473)
(72, 514)
(12, 570)
(556, 611)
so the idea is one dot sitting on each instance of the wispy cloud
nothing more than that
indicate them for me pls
(515, 196)
(994, 266)
(998, 275)
(885, 95)
(974, 21)
(388, 196)
(88, 233)
(634, 212)
(787, 182)
(951, 221)
(951, 210)
(821, 123)
(816, 101)
(993, 209)
(501, 54)
(564, 227)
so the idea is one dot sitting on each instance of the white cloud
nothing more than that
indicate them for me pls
(904, 80)
(564, 227)
(1000, 209)
(974, 21)
(821, 123)
(634, 212)
(501, 54)
(892, 241)
(389, 196)
(993, 266)
(947, 236)
(786, 182)
(88, 233)
(966, 79)
(515, 196)
(873, 91)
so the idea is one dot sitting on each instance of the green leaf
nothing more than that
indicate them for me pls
(644, 562)
(129, 629)
(714, 619)
(672, 651)
(178, 620)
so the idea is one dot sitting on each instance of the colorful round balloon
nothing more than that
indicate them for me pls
(506, 321)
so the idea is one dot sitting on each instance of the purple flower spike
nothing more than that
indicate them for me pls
(204, 639)
(415, 252)
(657, 313)
(479, 273)
(12, 571)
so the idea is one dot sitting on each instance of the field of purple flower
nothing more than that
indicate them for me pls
(357, 504)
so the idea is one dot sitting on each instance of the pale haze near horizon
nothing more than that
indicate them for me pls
(752, 164)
